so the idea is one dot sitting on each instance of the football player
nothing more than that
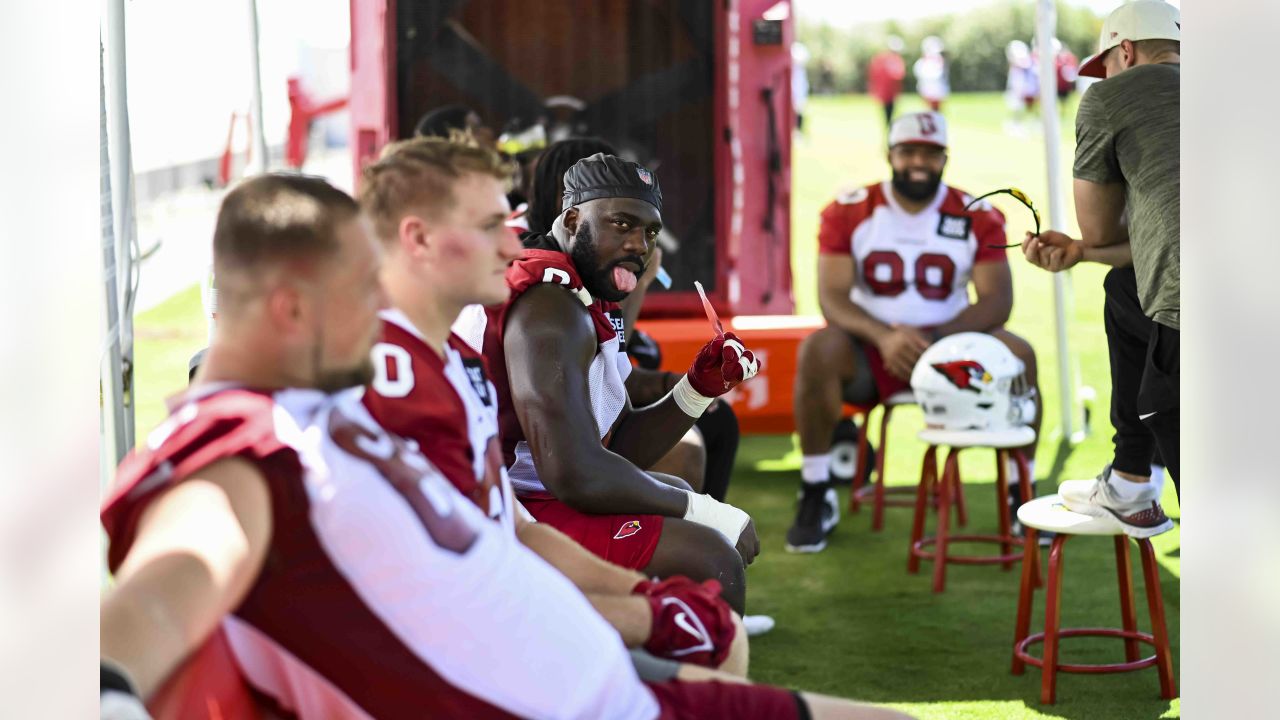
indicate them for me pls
(576, 451)
(896, 260)
(350, 578)
(439, 209)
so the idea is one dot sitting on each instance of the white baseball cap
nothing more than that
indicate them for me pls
(1133, 21)
(926, 128)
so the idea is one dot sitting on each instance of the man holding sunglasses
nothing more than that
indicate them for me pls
(1127, 200)
(895, 262)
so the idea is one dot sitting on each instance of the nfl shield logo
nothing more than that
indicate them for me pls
(645, 176)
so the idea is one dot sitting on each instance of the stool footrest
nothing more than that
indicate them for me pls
(867, 493)
(1020, 650)
(918, 549)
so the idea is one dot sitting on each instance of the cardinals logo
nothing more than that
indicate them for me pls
(964, 373)
(629, 528)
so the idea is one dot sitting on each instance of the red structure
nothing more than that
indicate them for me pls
(700, 92)
(303, 110)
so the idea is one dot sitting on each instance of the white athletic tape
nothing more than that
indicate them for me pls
(737, 346)
(692, 402)
(749, 367)
(724, 518)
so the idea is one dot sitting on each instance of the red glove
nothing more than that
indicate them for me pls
(691, 623)
(720, 365)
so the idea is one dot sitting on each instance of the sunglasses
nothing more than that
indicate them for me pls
(1020, 197)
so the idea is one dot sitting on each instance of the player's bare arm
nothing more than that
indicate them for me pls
(198, 549)
(993, 286)
(1100, 213)
(552, 400)
(1055, 252)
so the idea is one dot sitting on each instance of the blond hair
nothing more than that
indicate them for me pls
(418, 175)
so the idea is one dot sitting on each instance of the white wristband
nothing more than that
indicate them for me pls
(728, 520)
(692, 402)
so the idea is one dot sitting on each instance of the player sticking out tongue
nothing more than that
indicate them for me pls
(597, 236)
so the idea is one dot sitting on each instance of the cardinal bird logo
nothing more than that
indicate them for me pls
(964, 373)
(629, 528)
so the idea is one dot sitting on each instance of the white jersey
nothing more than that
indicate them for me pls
(911, 268)
(386, 593)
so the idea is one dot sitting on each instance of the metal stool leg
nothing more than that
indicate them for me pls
(928, 476)
(949, 473)
(877, 510)
(1053, 597)
(1026, 594)
(1124, 575)
(1002, 503)
(860, 472)
(1155, 603)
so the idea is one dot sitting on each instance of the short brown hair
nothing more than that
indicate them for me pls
(1157, 46)
(419, 173)
(275, 217)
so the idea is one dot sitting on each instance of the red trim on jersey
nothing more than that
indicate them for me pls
(530, 270)
(842, 216)
(300, 600)
(988, 225)
(715, 699)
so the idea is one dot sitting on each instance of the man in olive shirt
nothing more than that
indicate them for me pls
(1126, 193)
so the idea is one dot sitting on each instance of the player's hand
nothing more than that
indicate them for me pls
(1052, 251)
(901, 348)
(721, 365)
(691, 622)
(748, 543)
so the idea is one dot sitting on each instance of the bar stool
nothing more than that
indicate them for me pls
(950, 492)
(1048, 513)
(876, 489)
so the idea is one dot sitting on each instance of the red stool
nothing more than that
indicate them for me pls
(1048, 513)
(876, 489)
(950, 492)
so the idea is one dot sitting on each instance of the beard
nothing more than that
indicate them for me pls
(596, 279)
(332, 381)
(917, 190)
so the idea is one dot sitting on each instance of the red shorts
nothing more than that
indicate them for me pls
(626, 540)
(714, 699)
(886, 384)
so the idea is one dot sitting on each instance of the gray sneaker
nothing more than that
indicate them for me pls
(1139, 517)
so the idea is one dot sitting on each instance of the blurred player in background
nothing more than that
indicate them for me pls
(932, 74)
(884, 76)
(896, 260)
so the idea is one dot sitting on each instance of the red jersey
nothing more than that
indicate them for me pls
(482, 328)
(377, 572)
(448, 406)
(911, 268)
(884, 76)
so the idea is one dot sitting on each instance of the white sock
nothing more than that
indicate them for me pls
(816, 468)
(1131, 491)
(1157, 478)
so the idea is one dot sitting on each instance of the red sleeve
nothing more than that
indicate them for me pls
(232, 423)
(835, 232)
(430, 413)
(989, 229)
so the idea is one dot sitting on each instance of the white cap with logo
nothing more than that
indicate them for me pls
(925, 128)
(1134, 21)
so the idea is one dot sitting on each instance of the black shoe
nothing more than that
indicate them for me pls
(816, 517)
(1044, 538)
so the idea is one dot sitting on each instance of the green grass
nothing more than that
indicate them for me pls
(851, 621)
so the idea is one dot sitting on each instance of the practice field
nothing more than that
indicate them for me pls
(851, 621)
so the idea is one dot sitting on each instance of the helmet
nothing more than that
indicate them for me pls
(971, 381)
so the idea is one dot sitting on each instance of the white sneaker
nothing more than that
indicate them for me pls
(757, 624)
(1139, 516)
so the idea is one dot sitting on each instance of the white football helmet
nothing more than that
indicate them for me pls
(971, 381)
